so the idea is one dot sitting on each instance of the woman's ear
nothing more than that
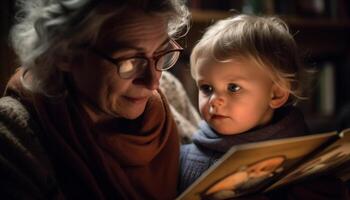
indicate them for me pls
(279, 96)
(65, 63)
(66, 67)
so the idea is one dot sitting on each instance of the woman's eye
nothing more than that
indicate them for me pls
(206, 89)
(233, 87)
(126, 66)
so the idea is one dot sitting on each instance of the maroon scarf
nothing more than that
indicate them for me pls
(138, 160)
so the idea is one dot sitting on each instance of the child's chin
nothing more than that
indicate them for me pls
(222, 130)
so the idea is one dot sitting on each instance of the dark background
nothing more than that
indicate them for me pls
(320, 27)
(7, 58)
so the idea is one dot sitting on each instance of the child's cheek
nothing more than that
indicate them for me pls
(203, 105)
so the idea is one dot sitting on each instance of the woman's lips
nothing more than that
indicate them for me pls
(136, 100)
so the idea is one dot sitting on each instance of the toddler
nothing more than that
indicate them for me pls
(249, 79)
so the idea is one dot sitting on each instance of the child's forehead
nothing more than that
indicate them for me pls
(230, 69)
(233, 62)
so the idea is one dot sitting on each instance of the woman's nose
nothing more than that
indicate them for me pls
(153, 78)
(150, 77)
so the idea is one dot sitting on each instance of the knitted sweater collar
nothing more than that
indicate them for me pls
(288, 122)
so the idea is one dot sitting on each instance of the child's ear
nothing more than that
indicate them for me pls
(279, 96)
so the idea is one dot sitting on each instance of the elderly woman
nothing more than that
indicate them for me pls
(83, 117)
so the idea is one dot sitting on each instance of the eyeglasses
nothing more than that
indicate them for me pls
(133, 66)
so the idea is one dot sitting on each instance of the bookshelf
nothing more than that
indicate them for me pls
(323, 38)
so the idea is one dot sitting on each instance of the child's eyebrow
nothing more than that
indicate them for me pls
(201, 80)
(235, 79)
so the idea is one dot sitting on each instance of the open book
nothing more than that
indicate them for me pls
(267, 165)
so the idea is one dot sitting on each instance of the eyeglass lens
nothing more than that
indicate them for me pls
(135, 66)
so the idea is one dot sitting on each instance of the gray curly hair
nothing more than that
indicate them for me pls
(48, 30)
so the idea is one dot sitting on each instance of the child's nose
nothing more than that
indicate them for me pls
(217, 100)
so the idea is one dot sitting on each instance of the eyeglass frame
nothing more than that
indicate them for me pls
(154, 58)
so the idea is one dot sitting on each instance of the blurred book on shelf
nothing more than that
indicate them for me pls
(327, 89)
(301, 8)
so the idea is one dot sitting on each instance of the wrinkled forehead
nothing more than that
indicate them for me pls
(134, 28)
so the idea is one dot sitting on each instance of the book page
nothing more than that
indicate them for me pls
(249, 168)
(330, 158)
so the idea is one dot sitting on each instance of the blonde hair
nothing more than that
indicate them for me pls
(264, 40)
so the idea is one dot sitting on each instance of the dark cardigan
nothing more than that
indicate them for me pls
(25, 170)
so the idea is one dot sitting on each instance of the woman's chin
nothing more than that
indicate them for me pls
(133, 112)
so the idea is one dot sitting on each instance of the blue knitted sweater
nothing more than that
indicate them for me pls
(208, 146)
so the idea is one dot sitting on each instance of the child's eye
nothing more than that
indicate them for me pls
(233, 87)
(206, 89)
